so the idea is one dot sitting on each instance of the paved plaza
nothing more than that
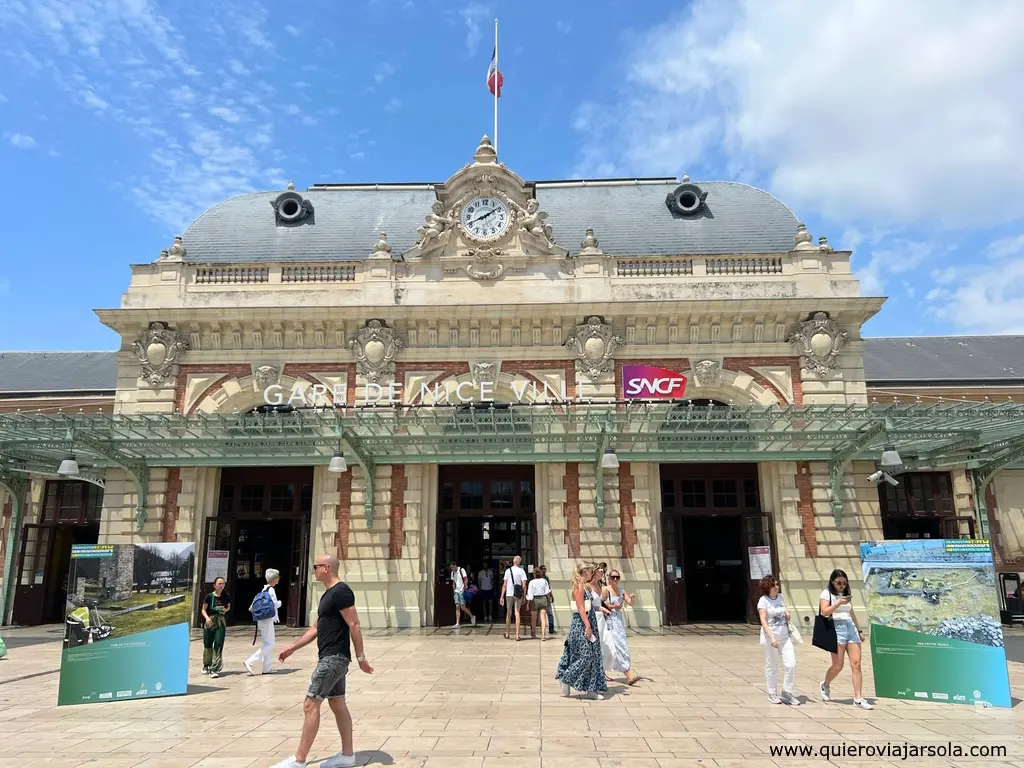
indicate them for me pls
(475, 699)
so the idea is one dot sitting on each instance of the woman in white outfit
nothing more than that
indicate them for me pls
(538, 595)
(614, 646)
(265, 655)
(777, 644)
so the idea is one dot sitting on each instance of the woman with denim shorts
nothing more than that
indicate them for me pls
(835, 601)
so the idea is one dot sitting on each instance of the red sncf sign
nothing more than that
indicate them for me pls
(642, 382)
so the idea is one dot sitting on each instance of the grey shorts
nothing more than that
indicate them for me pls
(328, 680)
(513, 603)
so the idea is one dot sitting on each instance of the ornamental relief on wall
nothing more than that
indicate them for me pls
(820, 340)
(375, 348)
(159, 349)
(593, 347)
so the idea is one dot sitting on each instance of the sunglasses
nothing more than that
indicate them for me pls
(614, 578)
(319, 565)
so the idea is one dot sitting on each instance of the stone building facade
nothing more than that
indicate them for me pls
(490, 290)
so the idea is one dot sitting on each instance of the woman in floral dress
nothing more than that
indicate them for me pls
(581, 667)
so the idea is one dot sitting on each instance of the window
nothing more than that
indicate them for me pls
(72, 501)
(447, 497)
(227, 499)
(750, 494)
(501, 494)
(668, 494)
(919, 493)
(252, 498)
(694, 494)
(282, 497)
(724, 494)
(471, 494)
(526, 494)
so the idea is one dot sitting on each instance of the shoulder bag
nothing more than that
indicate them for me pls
(824, 636)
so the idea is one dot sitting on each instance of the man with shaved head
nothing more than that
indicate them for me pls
(337, 628)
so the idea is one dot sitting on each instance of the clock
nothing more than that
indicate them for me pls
(485, 218)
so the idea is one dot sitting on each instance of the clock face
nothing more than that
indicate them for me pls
(485, 218)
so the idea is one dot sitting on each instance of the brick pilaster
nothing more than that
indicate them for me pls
(627, 510)
(571, 483)
(344, 513)
(171, 504)
(808, 530)
(399, 484)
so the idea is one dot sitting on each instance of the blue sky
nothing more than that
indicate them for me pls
(890, 128)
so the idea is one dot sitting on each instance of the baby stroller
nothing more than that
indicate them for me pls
(85, 625)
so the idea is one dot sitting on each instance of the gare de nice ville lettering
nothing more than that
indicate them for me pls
(639, 382)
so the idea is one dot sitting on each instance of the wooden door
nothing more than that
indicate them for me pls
(30, 587)
(958, 527)
(298, 576)
(757, 534)
(444, 593)
(675, 582)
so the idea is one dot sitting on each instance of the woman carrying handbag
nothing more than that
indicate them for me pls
(843, 638)
(777, 642)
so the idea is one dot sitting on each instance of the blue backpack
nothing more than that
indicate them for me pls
(263, 606)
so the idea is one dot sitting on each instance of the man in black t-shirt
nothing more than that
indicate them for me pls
(336, 631)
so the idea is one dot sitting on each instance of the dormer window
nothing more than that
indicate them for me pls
(292, 208)
(687, 200)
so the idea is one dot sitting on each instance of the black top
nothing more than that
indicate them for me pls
(332, 633)
(217, 605)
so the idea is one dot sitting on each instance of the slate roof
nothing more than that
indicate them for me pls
(65, 372)
(931, 359)
(628, 219)
(924, 359)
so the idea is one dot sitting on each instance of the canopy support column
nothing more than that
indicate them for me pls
(602, 446)
(837, 466)
(351, 445)
(17, 488)
(983, 475)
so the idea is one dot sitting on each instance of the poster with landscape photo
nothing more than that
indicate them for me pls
(126, 630)
(935, 629)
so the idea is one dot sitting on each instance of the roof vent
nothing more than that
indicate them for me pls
(686, 200)
(292, 208)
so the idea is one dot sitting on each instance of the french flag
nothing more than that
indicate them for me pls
(494, 78)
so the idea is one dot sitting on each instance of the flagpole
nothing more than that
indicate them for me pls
(497, 84)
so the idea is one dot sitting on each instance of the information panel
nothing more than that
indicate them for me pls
(934, 612)
(126, 630)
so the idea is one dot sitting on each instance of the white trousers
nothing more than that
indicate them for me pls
(265, 653)
(787, 656)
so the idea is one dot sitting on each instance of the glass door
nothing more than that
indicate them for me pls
(216, 559)
(675, 584)
(759, 558)
(30, 588)
(298, 576)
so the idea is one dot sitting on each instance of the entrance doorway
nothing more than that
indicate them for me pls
(70, 515)
(713, 527)
(486, 516)
(262, 522)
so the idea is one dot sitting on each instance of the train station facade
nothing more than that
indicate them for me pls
(662, 374)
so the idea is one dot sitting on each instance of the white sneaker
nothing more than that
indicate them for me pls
(291, 762)
(565, 690)
(863, 704)
(248, 667)
(773, 699)
(339, 761)
(790, 699)
(826, 692)
(595, 696)
(214, 674)
(473, 620)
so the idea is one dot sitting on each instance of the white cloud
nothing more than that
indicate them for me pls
(93, 101)
(394, 104)
(565, 27)
(472, 16)
(384, 71)
(357, 155)
(989, 299)
(238, 67)
(873, 110)
(292, 30)
(226, 114)
(893, 258)
(21, 141)
(1006, 247)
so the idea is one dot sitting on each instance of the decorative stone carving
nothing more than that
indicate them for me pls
(436, 230)
(534, 225)
(589, 245)
(375, 347)
(802, 241)
(593, 345)
(707, 372)
(484, 264)
(176, 252)
(823, 245)
(291, 208)
(265, 376)
(567, 266)
(820, 341)
(159, 349)
(382, 249)
(484, 373)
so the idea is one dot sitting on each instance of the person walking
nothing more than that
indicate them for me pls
(336, 632)
(265, 655)
(485, 580)
(837, 602)
(551, 601)
(538, 593)
(215, 607)
(513, 586)
(460, 583)
(580, 667)
(614, 646)
(777, 644)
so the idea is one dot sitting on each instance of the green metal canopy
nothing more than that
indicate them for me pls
(981, 436)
